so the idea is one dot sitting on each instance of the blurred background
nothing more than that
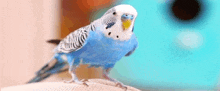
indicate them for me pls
(178, 41)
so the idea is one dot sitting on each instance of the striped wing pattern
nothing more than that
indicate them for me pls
(74, 40)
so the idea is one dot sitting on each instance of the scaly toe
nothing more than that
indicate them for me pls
(77, 82)
(70, 81)
(85, 84)
(81, 82)
(121, 86)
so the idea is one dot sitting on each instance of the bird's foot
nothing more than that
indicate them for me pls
(121, 85)
(77, 81)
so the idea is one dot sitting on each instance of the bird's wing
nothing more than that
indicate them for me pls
(75, 40)
(130, 52)
(135, 46)
(54, 41)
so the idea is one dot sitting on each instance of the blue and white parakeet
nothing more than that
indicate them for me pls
(101, 44)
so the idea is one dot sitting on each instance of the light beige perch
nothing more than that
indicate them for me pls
(94, 85)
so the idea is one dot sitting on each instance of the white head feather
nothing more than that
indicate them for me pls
(116, 31)
(126, 9)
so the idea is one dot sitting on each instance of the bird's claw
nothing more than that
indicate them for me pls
(77, 81)
(85, 84)
(121, 85)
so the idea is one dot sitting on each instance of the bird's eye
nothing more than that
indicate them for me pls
(114, 13)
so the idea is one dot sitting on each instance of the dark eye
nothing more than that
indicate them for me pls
(114, 13)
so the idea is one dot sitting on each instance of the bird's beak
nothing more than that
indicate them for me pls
(126, 24)
(126, 21)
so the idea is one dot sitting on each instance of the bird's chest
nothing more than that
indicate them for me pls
(109, 46)
(106, 50)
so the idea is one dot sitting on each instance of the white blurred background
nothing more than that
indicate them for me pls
(25, 25)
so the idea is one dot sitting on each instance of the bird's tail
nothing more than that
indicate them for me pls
(54, 41)
(38, 78)
(53, 66)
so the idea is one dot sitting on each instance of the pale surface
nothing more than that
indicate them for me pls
(94, 85)
(25, 25)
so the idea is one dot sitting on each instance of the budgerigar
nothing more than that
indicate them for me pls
(99, 44)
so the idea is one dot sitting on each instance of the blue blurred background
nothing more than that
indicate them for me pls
(173, 53)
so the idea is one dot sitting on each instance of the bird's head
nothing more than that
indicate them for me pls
(126, 14)
(119, 21)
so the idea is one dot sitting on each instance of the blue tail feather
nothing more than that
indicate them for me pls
(48, 69)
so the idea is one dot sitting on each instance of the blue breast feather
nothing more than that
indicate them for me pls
(100, 50)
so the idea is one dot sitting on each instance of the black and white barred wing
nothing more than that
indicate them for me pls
(75, 40)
